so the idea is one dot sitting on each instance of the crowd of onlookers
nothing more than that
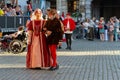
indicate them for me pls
(92, 28)
(100, 29)
(9, 10)
(15, 10)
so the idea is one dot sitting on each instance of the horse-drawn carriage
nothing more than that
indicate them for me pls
(14, 45)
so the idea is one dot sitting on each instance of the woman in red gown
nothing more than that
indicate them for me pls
(38, 55)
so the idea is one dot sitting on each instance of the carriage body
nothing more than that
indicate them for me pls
(14, 45)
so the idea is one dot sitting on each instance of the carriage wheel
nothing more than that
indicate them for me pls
(15, 46)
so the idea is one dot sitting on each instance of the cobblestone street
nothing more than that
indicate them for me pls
(88, 60)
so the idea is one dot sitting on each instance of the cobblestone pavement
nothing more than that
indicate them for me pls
(88, 60)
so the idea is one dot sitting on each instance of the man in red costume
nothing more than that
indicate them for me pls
(54, 35)
(69, 26)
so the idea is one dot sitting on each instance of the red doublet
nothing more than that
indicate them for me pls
(71, 22)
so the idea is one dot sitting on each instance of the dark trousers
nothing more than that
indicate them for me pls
(68, 40)
(91, 33)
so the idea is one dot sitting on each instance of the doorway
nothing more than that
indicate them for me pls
(105, 8)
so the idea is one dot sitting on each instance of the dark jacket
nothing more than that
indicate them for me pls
(54, 26)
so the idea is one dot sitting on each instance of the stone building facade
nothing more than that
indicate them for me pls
(92, 8)
(88, 8)
(84, 6)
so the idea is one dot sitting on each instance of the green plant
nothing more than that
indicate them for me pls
(76, 14)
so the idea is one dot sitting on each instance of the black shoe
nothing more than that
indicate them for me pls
(57, 67)
(50, 68)
(54, 68)
(70, 48)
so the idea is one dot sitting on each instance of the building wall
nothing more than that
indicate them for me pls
(83, 4)
(23, 4)
(88, 8)
(62, 6)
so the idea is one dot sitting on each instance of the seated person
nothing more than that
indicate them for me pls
(16, 35)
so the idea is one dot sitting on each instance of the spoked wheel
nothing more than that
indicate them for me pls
(15, 46)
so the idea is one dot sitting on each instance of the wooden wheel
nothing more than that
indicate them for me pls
(16, 46)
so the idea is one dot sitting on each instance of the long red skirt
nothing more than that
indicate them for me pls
(38, 54)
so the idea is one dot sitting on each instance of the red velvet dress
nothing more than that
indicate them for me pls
(38, 52)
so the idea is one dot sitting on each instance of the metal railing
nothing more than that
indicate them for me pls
(11, 23)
